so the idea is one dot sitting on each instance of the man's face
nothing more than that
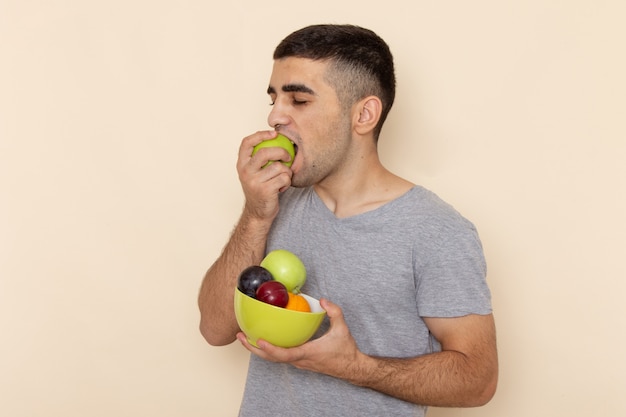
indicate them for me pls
(307, 110)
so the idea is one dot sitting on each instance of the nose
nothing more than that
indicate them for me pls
(278, 116)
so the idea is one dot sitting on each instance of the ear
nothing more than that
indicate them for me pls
(367, 114)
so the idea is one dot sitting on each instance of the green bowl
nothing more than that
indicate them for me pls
(279, 326)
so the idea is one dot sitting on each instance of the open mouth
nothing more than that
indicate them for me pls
(295, 147)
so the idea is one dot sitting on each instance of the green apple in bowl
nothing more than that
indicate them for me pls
(279, 141)
(286, 268)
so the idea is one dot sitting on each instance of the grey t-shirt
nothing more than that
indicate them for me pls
(387, 268)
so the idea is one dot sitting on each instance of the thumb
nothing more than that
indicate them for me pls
(338, 325)
(332, 309)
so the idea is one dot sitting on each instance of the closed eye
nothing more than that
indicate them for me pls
(294, 101)
(299, 89)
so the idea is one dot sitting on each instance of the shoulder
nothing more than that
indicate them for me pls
(437, 223)
(431, 208)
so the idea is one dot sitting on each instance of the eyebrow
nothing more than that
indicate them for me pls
(292, 88)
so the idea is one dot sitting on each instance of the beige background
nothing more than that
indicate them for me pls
(119, 127)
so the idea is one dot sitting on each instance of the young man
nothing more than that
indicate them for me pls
(400, 273)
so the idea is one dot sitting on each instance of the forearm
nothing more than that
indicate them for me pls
(246, 247)
(463, 374)
(445, 379)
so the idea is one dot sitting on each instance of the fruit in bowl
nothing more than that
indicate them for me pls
(286, 267)
(269, 304)
(274, 293)
(251, 279)
(280, 326)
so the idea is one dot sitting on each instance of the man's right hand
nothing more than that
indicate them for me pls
(261, 186)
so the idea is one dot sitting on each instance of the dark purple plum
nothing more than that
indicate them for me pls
(251, 278)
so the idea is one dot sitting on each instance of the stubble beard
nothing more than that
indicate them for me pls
(324, 163)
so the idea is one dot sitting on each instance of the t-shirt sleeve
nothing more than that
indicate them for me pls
(451, 272)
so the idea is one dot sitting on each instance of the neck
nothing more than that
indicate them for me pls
(363, 185)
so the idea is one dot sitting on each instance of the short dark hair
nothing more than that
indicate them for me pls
(361, 62)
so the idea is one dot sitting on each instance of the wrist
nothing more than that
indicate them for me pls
(362, 370)
(251, 221)
(250, 236)
(376, 372)
(259, 214)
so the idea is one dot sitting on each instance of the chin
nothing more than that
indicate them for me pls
(297, 182)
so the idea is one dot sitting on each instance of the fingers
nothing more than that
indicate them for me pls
(259, 165)
(265, 154)
(270, 352)
(249, 142)
(262, 184)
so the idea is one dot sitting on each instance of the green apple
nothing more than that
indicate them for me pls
(286, 268)
(280, 141)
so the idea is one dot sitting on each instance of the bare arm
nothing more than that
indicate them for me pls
(245, 247)
(247, 243)
(463, 374)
